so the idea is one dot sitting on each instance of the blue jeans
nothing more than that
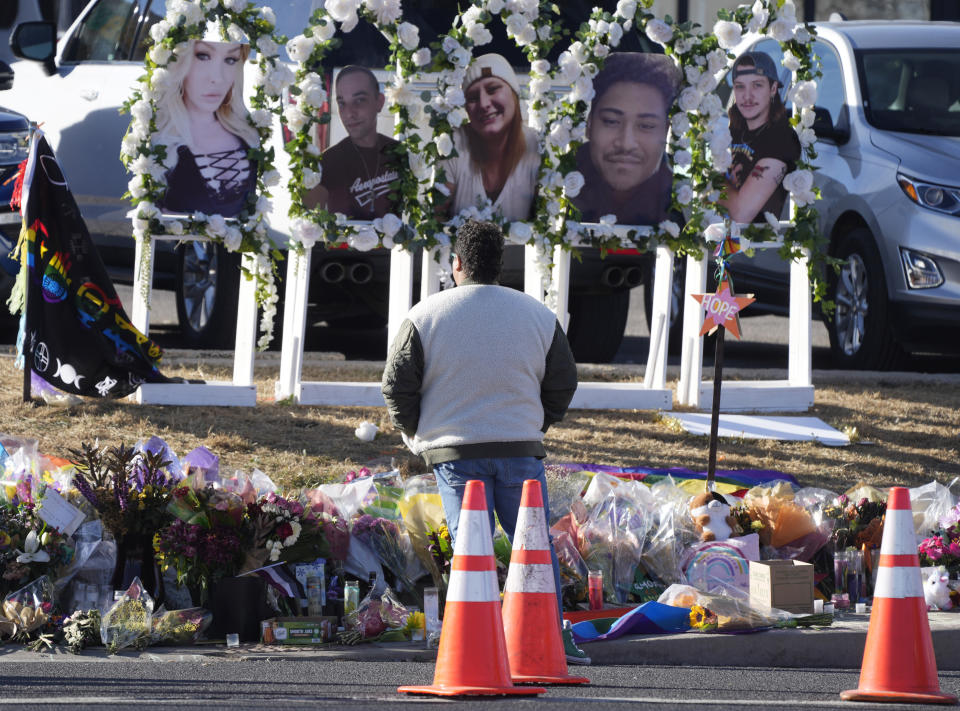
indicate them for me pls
(502, 479)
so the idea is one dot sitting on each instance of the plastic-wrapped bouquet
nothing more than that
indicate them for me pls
(942, 548)
(28, 547)
(128, 622)
(179, 626)
(30, 607)
(389, 542)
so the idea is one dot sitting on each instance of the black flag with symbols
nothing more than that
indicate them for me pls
(78, 337)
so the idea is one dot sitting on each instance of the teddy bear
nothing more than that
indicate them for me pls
(711, 516)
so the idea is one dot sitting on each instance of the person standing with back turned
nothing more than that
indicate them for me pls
(474, 378)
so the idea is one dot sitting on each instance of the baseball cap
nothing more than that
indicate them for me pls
(491, 65)
(755, 63)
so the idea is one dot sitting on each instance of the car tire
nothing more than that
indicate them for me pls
(208, 283)
(597, 323)
(675, 328)
(860, 334)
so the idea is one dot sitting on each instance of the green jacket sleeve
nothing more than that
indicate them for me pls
(403, 377)
(559, 379)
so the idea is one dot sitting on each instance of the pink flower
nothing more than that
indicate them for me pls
(954, 549)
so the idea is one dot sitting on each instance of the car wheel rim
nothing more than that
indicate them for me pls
(852, 305)
(199, 283)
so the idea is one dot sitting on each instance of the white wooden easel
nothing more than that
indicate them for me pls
(795, 394)
(241, 391)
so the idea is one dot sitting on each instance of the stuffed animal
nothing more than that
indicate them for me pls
(936, 593)
(711, 515)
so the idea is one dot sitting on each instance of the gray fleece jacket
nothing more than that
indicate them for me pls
(478, 371)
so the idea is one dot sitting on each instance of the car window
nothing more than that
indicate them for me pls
(830, 94)
(106, 34)
(914, 90)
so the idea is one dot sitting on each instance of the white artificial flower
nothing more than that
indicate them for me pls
(520, 232)
(399, 92)
(142, 111)
(716, 60)
(312, 91)
(160, 79)
(608, 220)
(682, 159)
(261, 118)
(559, 136)
(216, 225)
(457, 117)
(271, 178)
(526, 36)
(391, 224)
(801, 35)
(788, 11)
(235, 5)
(706, 83)
(267, 47)
(683, 45)
(32, 552)
(311, 178)
(454, 96)
(760, 17)
(263, 205)
(728, 33)
(478, 33)
(129, 146)
(772, 220)
(232, 238)
(684, 194)
(715, 232)
(582, 89)
(670, 227)
(806, 135)
(553, 208)
(514, 23)
(791, 61)
(136, 186)
(173, 227)
(268, 14)
(278, 79)
(444, 144)
(323, 32)
(460, 57)
(800, 185)
(807, 116)
(306, 233)
(160, 30)
(573, 183)
(689, 99)
(803, 94)
(342, 10)
(540, 66)
(495, 6)
(159, 54)
(366, 431)
(711, 105)
(579, 52)
(300, 48)
(569, 68)
(364, 239)
(387, 12)
(601, 50)
(659, 31)
(626, 9)
(679, 124)
(722, 161)
(692, 73)
(544, 32)
(449, 45)
(781, 30)
(295, 117)
(409, 36)
(421, 57)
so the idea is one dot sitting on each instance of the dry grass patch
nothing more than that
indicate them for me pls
(908, 433)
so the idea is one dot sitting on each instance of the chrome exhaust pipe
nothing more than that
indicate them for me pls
(332, 272)
(633, 277)
(361, 273)
(612, 277)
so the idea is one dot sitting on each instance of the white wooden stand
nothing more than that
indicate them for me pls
(241, 391)
(792, 395)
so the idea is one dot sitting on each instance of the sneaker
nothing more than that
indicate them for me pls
(575, 655)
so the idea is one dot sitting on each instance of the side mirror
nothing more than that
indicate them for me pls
(6, 76)
(36, 41)
(824, 127)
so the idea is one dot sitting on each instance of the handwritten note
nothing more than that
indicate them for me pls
(60, 513)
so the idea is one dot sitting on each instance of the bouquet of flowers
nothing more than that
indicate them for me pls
(128, 622)
(942, 548)
(861, 523)
(28, 547)
(286, 530)
(205, 542)
(390, 544)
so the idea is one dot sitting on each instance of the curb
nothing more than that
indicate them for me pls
(839, 646)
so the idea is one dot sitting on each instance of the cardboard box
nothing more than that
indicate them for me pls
(784, 584)
(299, 630)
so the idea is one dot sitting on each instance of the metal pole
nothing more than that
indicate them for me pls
(715, 409)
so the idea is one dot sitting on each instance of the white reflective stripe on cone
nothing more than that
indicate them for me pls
(898, 582)
(473, 586)
(531, 530)
(473, 533)
(899, 535)
(530, 578)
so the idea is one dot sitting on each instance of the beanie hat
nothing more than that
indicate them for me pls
(491, 65)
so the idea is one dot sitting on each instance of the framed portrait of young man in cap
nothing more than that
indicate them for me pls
(764, 145)
(497, 155)
(623, 162)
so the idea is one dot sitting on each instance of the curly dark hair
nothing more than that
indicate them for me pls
(657, 70)
(479, 245)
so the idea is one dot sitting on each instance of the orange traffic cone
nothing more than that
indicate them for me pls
(472, 658)
(531, 620)
(898, 660)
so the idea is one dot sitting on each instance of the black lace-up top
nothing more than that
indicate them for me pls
(214, 183)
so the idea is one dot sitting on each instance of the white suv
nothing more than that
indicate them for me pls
(888, 148)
